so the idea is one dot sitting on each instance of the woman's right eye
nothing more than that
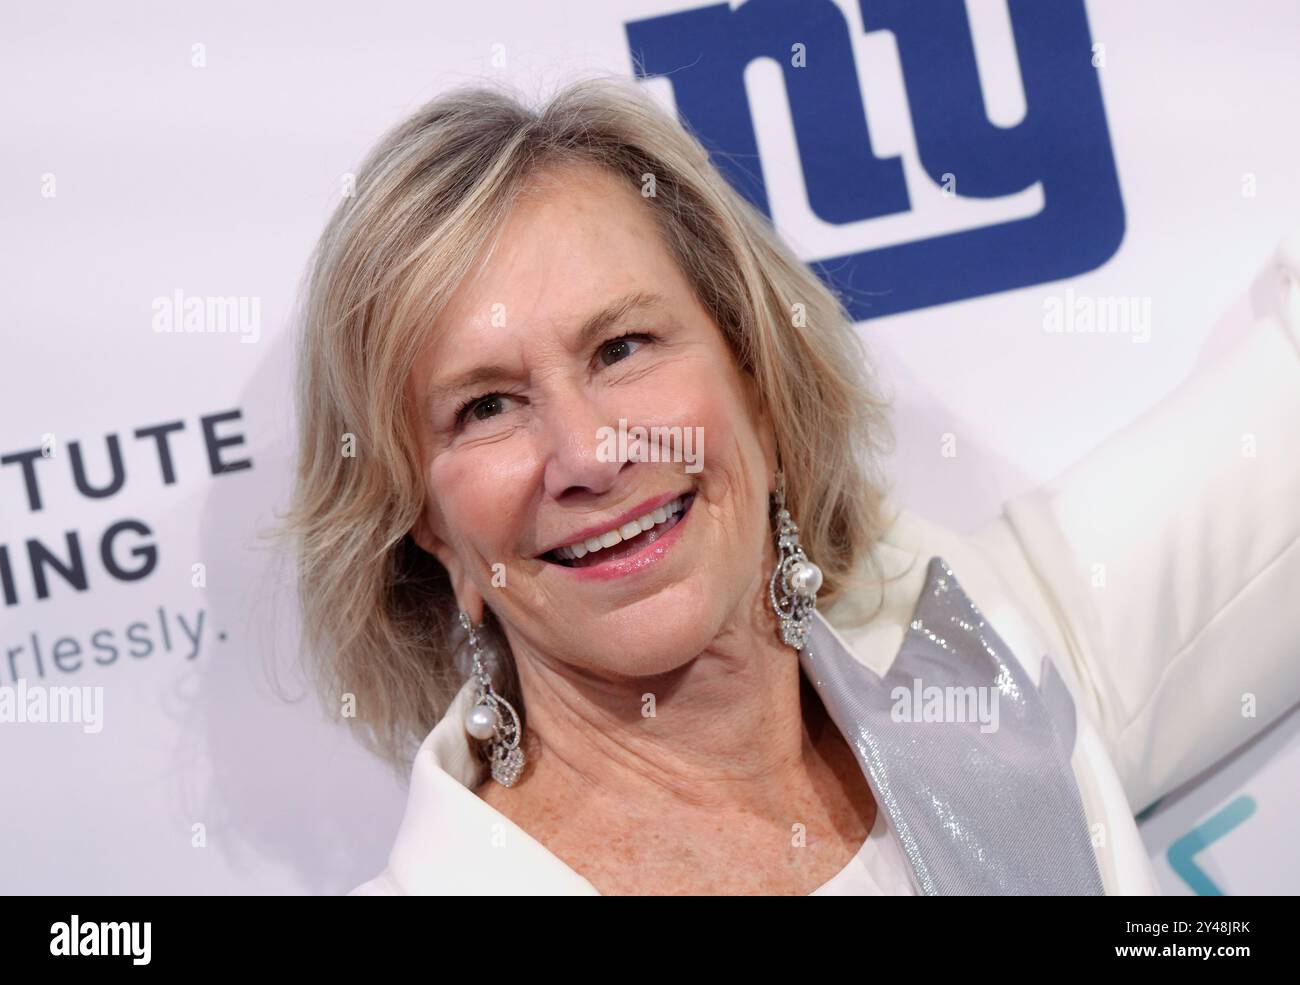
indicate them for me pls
(481, 408)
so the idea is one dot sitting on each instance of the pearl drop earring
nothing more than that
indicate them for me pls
(493, 719)
(796, 578)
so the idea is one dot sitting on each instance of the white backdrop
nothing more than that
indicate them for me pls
(155, 148)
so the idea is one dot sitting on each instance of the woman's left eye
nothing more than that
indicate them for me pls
(616, 350)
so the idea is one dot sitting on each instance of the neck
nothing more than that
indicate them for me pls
(734, 731)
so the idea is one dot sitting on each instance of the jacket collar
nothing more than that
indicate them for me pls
(946, 789)
(968, 756)
(453, 843)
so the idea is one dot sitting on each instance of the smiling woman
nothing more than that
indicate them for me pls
(532, 280)
(609, 673)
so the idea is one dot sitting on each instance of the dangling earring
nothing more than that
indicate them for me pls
(794, 584)
(493, 719)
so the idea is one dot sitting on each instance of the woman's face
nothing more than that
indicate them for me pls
(578, 320)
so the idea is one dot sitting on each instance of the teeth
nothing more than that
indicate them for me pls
(626, 532)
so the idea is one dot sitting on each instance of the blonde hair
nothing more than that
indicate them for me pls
(379, 616)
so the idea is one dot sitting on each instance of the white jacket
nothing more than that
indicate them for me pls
(1160, 576)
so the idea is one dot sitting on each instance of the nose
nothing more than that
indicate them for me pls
(572, 448)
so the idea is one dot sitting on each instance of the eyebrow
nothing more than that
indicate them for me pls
(595, 326)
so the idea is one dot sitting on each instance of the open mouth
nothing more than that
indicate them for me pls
(623, 542)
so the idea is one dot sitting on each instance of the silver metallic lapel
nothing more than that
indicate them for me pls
(970, 761)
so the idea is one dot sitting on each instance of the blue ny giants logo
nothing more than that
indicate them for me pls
(1061, 144)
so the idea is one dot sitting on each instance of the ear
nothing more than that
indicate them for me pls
(768, 436)
(468, 598)
(765, 429)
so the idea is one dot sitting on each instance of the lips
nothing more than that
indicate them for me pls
(630, 538)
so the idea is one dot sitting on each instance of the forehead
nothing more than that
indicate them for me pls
(577, 238)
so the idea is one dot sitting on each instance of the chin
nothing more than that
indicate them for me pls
(662, 632)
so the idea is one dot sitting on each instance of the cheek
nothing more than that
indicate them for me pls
(717, 404)
(690, 393)
(478, 503)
